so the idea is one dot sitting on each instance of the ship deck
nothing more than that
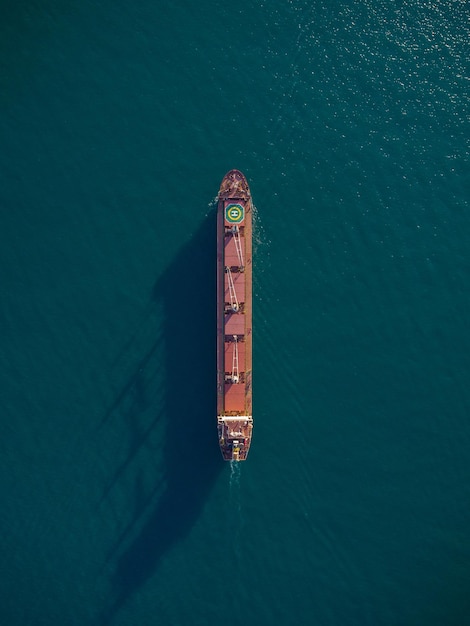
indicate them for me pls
(234, 316)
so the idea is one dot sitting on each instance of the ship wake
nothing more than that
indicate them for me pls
(235, 472)
(236, 516)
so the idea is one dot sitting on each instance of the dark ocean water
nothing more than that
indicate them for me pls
(351, 121)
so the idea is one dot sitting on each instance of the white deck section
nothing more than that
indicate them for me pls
(234, 418)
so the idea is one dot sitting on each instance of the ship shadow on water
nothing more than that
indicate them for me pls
(191, 458)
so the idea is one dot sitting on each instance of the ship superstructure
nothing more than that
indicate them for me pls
(234, 316)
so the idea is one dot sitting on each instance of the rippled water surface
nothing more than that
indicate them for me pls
(350, 120)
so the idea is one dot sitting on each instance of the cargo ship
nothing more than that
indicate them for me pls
(234, 316)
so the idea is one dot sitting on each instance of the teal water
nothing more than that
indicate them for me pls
(118, 121)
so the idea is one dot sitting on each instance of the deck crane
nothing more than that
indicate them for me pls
(238, 244)
(233, 296)
(235, 378)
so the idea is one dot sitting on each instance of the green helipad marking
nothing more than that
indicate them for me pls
(234, 213)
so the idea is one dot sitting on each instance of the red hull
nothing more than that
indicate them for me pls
(234, 316)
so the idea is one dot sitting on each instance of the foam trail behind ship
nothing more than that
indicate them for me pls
(235, 522)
